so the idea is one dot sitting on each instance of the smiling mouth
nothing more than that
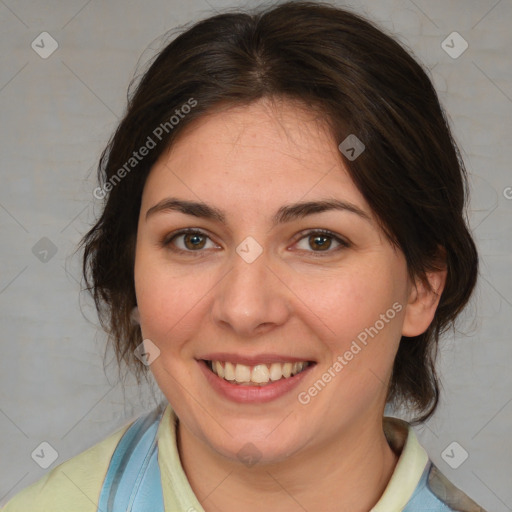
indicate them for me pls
(257, 375)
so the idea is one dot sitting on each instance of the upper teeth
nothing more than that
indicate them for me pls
(259, 374)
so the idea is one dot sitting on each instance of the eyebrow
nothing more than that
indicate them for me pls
(286, 213)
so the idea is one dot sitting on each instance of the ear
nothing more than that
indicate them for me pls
(422, 303)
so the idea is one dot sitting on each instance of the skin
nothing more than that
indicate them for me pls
(330, 454)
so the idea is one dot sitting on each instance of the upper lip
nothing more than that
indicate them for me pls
(253, 360)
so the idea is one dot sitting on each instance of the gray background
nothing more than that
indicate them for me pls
(57, 114)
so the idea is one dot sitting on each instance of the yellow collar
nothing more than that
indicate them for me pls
(178, 495)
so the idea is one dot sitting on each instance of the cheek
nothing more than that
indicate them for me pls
(168, 302)
(355, 300)
(365, 311)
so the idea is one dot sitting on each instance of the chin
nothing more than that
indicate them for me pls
(250, 450)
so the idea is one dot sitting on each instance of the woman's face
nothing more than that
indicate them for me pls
(260, 288)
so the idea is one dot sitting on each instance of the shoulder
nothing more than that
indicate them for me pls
(417, 485)
(73, 485)
(449, 495)
(436, 493)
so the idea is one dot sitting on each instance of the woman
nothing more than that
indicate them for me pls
(283, 242)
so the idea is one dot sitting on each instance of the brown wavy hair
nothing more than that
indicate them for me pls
(363, 82)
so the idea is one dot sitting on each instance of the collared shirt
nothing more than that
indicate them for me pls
(416, 485)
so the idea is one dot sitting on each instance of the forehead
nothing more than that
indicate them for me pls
(255, 156)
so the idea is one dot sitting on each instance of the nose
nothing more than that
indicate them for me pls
(251, 299)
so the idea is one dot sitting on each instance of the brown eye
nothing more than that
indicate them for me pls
(321, 242)
(193, 241)
(187, 241)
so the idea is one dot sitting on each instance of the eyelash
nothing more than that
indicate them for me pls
(167, 241)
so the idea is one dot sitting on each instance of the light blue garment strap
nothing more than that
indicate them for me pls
(435, 493)
(132, 482)
(423, 500)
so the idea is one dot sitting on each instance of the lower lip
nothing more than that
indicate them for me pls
(252, 394)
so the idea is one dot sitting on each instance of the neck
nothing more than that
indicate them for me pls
(348, 472)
